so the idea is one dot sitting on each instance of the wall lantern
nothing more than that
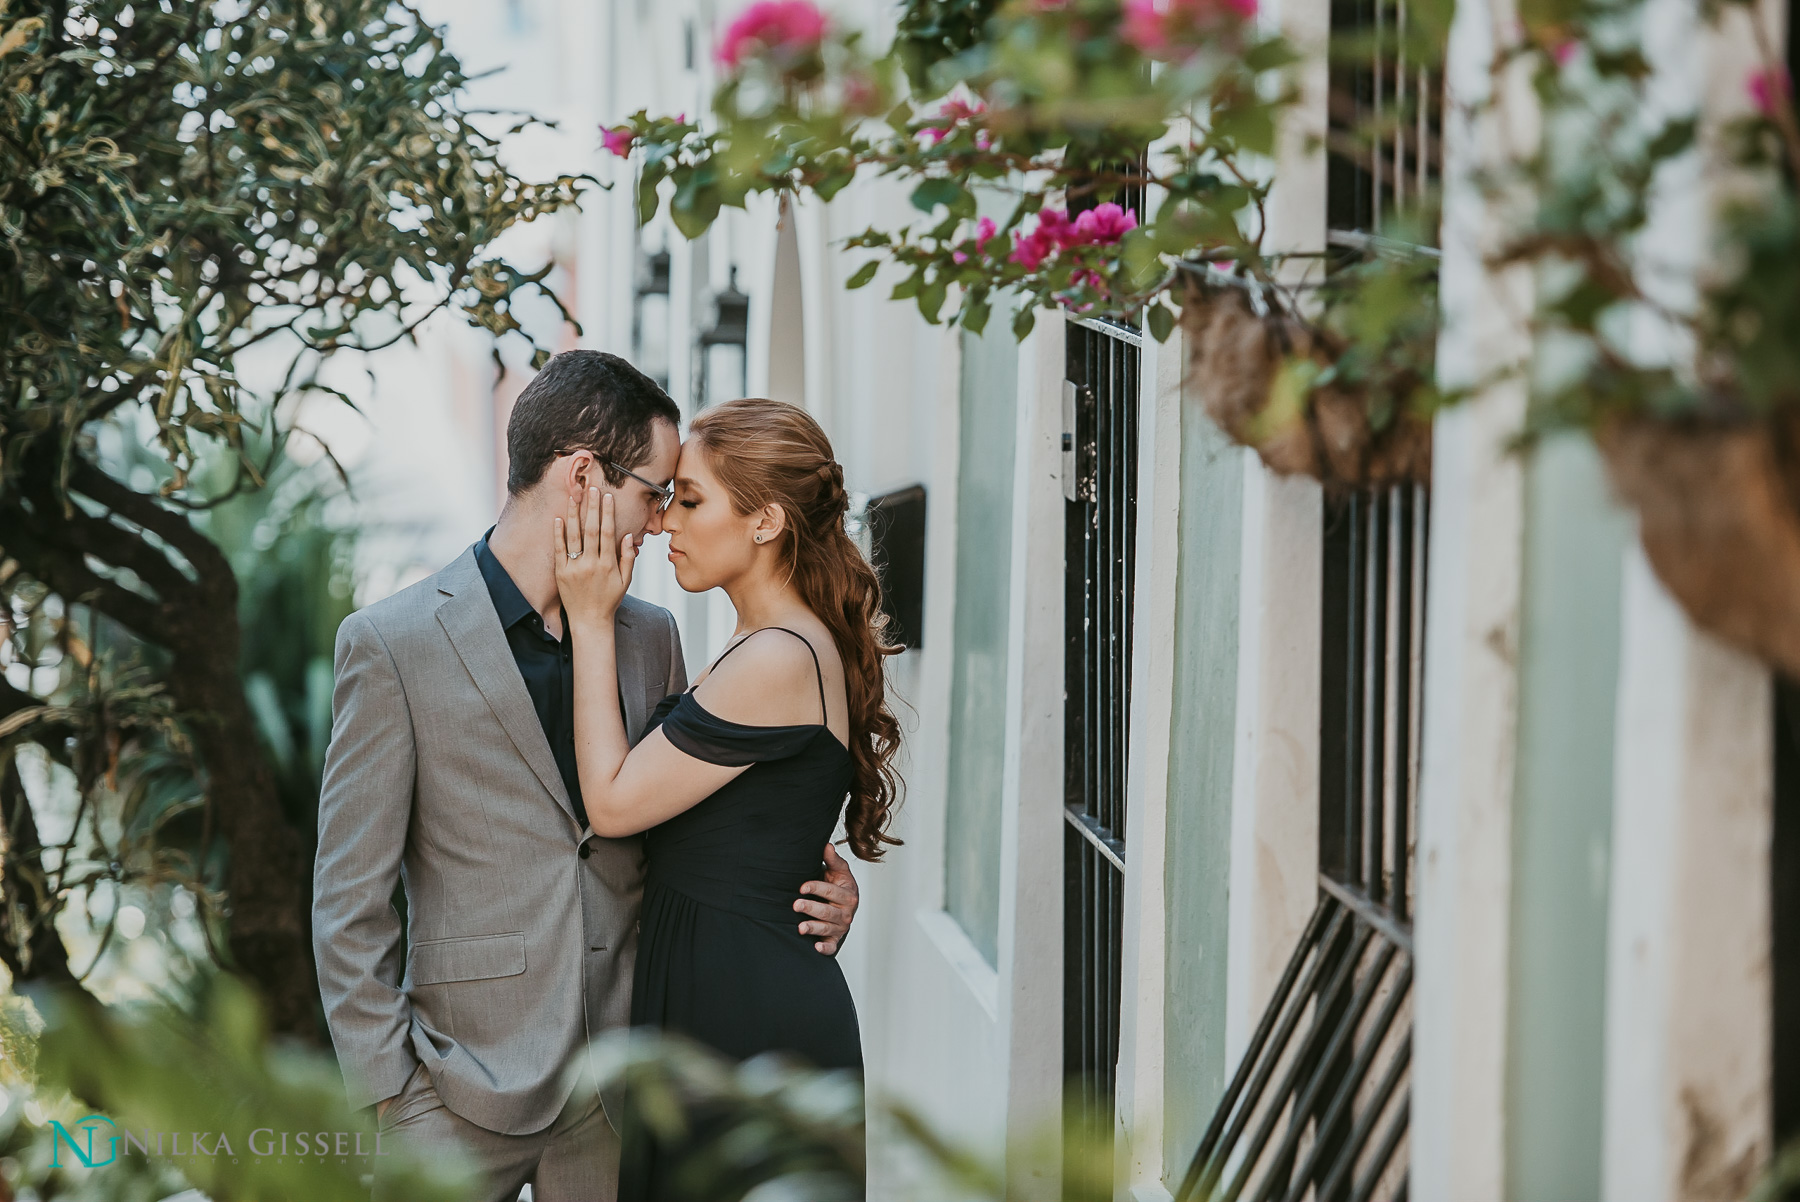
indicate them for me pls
(724, 348)
(650, 317)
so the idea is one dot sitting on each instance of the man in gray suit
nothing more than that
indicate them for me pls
(452, 770)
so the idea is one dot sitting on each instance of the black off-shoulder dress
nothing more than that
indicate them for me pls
(720, 956)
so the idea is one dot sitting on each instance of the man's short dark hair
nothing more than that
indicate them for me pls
(584, 401)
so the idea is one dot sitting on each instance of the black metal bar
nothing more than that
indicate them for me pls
(1340, 1102)
(1218, 1154)
(1343, 1028)
(1375, 669)
(1103, 840)
(1355, 696)
(1258, 1040)
(1368, 911)
(1305, 1060)
(1359, 1135)
(1405, 708)
(1384, 1152)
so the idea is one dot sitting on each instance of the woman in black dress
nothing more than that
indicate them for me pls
(742, 778)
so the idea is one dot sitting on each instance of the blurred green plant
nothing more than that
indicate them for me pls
(773, 1128)
(1628, 343)
(195, 1080)
(1664, 243)
(188, 191)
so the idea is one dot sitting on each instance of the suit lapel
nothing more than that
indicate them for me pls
(467, 616)
(629, 650)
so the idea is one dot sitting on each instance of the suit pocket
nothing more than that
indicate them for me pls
(475, 958)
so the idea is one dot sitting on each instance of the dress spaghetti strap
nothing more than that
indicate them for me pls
(818, 672)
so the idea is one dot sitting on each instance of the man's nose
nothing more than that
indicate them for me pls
(655, 524)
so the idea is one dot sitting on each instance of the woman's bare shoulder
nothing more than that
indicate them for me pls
(768, 680)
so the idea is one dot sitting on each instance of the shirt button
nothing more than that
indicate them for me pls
(585, 851)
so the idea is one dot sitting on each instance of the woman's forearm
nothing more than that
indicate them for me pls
(600, 742)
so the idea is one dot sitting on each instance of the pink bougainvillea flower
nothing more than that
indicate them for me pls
(1090, 279)
(1103, 225)
(954, 113)
(1174, 29)
(618, 140)
(860, 94)
(1054, 231)
(1054, 225)
(984, 232)
(1768, 88)
(1031, 252)
(790, 27)
(1564, 50)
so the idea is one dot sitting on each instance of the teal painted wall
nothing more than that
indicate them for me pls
(1575, 540)
(1200, 768)
(984, 489)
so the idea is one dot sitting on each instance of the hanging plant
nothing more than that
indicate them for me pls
(1280, 384)
(1719, 514)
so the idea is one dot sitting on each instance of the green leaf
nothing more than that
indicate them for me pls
(1252, 127)
(1271, 55)
(1162, 321)
(696, 204)
(931, 298)
(864, 274)
(1023, 320)
(975, 313)
(907, 288)
(648, 199)
(1672, 139)
(939, 191)
(830, 185)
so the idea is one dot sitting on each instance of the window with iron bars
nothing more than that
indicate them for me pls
(1319, 1106)
(1100, 435)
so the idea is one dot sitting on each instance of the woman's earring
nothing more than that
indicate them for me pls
(759, 538)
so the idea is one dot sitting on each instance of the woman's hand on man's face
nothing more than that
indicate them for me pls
(593, 562)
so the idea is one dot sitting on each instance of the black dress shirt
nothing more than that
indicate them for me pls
(544, 661)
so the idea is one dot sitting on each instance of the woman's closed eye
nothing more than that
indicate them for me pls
(688, 504)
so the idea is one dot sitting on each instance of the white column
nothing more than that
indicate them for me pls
(1687, 1006)
(1138, 1147)
(1464, 847)
(1031, 831)
(1275, 764)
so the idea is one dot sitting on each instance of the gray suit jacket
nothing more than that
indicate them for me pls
(521, 925)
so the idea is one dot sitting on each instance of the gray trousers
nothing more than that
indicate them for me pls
(574, 1159)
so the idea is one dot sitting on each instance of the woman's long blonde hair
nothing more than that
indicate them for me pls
(768, 452)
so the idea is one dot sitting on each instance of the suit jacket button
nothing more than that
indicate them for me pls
(586, 851)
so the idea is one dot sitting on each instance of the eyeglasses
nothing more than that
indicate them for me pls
(665, 493)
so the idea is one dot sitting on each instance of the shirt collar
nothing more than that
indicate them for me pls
(508, 601)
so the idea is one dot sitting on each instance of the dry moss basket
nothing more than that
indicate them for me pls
(1719, 515)
(1236, 362)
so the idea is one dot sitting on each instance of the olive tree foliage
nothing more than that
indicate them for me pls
(200, 202)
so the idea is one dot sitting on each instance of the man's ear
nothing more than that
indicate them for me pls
(583, 471)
